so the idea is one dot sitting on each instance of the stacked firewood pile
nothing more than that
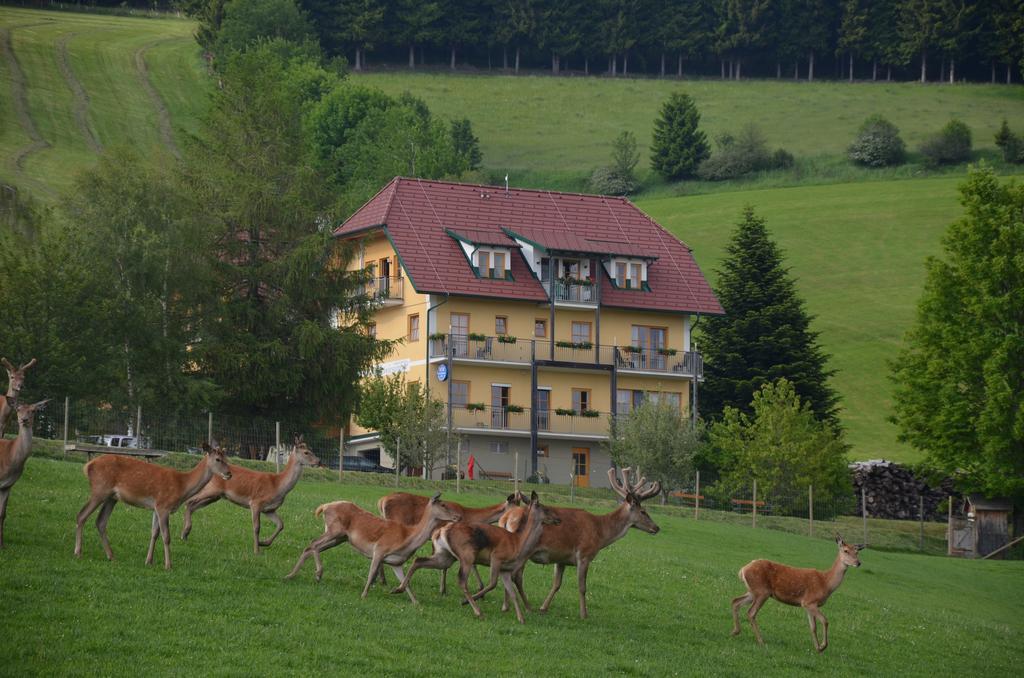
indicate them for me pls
(892, 491)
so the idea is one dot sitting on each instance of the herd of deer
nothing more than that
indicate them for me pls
(526, 530)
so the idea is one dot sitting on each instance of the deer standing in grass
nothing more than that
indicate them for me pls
(384, 542)
(15, 382)
(472, 544)
(408, 508)
(145, 485)
(258, 491)
(14, 454)
(806, 587)
(581, 535)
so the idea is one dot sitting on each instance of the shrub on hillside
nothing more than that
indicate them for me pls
(678, 146)
(1010, 144)
(741, 154)
(618, 178)
(950, 146)
(247, 21)
(878, 144)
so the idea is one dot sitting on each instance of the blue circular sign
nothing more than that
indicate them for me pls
(442, 372)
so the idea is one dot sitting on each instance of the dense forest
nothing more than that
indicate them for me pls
(927, 40)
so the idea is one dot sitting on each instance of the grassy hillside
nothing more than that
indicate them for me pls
(75, 84)
(659, 605)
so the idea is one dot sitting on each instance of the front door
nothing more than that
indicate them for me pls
(499, 406)
(581, 465)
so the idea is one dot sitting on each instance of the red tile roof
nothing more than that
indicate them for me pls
(415, 213)
(565, 241)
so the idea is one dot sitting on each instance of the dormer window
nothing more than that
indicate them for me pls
(628, 274)
(492, 263)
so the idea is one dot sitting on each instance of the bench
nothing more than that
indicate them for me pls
(740, 504)
(687, 497)
(91, 449)
(495, 475)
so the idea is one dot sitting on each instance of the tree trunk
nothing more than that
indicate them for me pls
(504, 58)
(778, 70)
(952, 71)
(1009, 74)
(721, 63)
(874, 70)
(555, 64)
(615, 65)
(942, 70)
(739, 68)
(359, 59)
(453, 58)
(796, 69)
(663, 64)
(412, 57)
(993, 64)
(517, 59)
(810, 67)
(625, 63)
(851, 66)
(924, 65)
(586, 65)
(679, 68)
(888, 73)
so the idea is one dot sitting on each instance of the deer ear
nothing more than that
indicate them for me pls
(41, 404)
(511, 499)
(436, 498)
(533, 497)
(839, 539)
(860, 547)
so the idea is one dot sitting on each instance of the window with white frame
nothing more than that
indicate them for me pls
(492, 263)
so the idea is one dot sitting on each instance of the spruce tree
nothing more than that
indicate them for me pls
(765, 334)
(678, 146)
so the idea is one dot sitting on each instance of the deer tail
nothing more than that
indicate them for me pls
(320, 509)
(85, 467)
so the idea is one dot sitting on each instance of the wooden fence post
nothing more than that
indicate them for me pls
(209, 430)
(920, 518)
(398, 460)
(864, 511)
(949, 527)
(458, 465)
(515, 473)
(341, 452)
(277, 446)
(810, 510)
(696, 499)
(67, 406)
(754, 505)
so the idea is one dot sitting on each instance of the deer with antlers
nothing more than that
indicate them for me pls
(14, 454)
(15, 382)
(581, 535)
(805, 587)
(258, 491)
(384, 542)
(408, 508)
(139, 483)
(480, 544)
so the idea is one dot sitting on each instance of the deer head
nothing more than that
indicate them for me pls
(303, 455)
(16, 376)
(216, 461)
(848, 553)
(545, 515)
(633, 494)
(442, 511)
(27, 413)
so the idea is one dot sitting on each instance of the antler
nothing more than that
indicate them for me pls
(621, 486)
(29, 364)
(7, 363)
(642, 489)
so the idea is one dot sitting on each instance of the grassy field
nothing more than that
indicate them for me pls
(659, 605)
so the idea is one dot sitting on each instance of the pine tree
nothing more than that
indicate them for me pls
(960, 378)
(678, 146)
(765, 334)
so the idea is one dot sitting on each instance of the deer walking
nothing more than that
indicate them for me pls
(139, 483)
(481, 544)
(15, 382)
(805, 587)
(14, 454)
(408, 508)
(581, 535)
(384, 542)
(258, 491)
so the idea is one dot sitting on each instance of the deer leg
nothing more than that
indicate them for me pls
(813, 624)
(375, 564)
(152, 538)
(279, 526)
(83, 515)
(444, 581)
(581, 576)
(255, 528)
(463, 584)
(492, 584)
(824, 625)
(4, 494)
(737, 603)
(397, 569)
(192, 505)
(101, 525)
(752, 616)
(321, 543)
(439, 561)
(165, 535)
(555, 585)
(517, 579)
(506, 579)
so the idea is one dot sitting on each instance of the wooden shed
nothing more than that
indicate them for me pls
(990, 519)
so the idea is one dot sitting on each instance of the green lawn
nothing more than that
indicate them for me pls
(659, 605)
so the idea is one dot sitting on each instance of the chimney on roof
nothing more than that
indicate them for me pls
(506, 184)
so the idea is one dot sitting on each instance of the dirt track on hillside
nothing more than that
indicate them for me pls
(19, 98)
(163, 115)
(81, 97)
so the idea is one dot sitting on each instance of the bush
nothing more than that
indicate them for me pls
(678, 146)
(878, 144)
(950, 146)
(1010, 144)
(741, 154)
(466, 144)
(608, 181)
(618, 178)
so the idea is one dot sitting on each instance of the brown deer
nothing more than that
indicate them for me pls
(408, 508)
(15, 382)
(139, 483)
(14, 453)
(806, 587)
(481, 544)
(384, 542)
(258, 491)
(581, 535)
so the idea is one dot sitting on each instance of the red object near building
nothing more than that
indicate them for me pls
(469, 467)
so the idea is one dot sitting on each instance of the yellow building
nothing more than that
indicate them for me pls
(535, 316)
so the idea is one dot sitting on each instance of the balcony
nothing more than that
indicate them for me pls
(572, 293)
(491, 419)
(474, 347)
(387, 291)
(663, 361)
(549, 424)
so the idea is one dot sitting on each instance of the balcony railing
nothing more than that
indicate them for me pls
(579, 424)
(686, 363)
(566, 291)
(500, 349)
(386, 289)
(548, 421)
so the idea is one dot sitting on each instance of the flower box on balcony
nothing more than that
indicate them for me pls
(565, 412)
(593, 414)
(582, 282)
(631, 349)
(515, 409)
(506, 339)
(437, 336)
(475, 407)
(667, 351)
(476, 336)
(575, 345)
